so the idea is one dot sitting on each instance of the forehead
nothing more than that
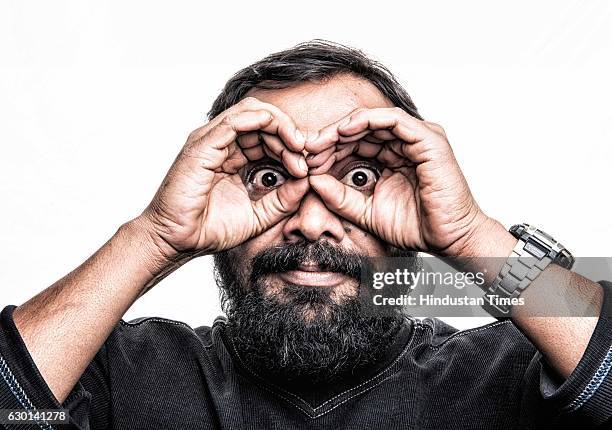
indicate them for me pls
(313, 105)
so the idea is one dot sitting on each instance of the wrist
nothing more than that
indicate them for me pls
(156, 256)
(487, 238)
(485, 249)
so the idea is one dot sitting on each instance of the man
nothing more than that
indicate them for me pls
(315, 160)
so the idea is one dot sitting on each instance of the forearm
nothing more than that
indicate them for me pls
(560, 307)
(562, 339)
(65, 325)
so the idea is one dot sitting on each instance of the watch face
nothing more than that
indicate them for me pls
(539, 243)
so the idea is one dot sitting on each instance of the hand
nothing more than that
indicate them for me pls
(421, 201)
(203, 206)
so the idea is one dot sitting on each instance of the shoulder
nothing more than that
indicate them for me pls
(159, 333)
(474, 360)
(496, 338)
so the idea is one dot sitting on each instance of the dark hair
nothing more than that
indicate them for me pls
(312, 61)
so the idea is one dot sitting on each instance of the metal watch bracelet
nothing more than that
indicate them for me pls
(519, 270)
(534, 251)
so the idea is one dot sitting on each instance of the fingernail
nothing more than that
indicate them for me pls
(302, 164)
(299, 137)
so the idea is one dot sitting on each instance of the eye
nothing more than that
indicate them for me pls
(266, 177)
(361, 177)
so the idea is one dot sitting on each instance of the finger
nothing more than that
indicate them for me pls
(383, 135)
(353, 137)
(420, 142)
(288, 132)
(327, 138)
(293, 161)
(316, 160)
(249, 140)
(368, 150)
(346, 149)
(323, 168)
(435, 127)
(273, 142)
(396, 120)
(371, 138)
(390, 159)
(347, 202)
(246, 104)
(270, 154)
(235, 161)
(283, 126)
(211, 150)
(255, 153)
(278, 204)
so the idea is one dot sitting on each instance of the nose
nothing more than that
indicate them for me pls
(313, 221)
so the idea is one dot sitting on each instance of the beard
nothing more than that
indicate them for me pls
(303, 334)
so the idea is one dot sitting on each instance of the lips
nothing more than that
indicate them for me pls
(309, 267)
(313, 275)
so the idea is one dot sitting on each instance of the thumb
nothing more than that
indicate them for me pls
(347, 202)
(278, 204)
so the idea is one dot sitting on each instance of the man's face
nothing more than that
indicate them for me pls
(292, 286)
(314, 106)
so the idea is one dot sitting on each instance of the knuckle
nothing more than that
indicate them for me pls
(186, 152)
(359, 111)
(266, 114)
(248, 101)
(228, 120)
(197, 133)
(192, 145)
(192, 136)
(437, 128)
(398, 111)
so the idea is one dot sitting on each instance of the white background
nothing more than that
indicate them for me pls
(96, 99)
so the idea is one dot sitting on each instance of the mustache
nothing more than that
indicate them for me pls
(328, 257)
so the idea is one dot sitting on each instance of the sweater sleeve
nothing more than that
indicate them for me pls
(22, 386)
(587, 393)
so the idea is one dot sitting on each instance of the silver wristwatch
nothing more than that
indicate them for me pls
(534, 251)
